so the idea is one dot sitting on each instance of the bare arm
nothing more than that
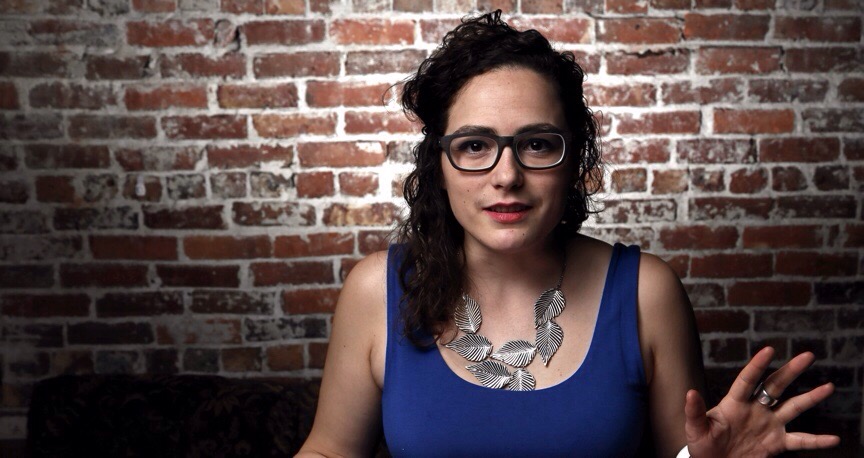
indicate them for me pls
(349, 405)
(670, 349)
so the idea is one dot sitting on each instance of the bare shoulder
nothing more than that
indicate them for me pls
(365, 289)
(660, 288)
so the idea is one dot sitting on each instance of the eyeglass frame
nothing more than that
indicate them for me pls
(502, 141)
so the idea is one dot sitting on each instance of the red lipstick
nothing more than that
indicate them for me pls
(505, 213)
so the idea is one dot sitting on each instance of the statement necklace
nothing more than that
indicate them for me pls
(489, 369)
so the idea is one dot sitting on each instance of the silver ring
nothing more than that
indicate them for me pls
(762, 397)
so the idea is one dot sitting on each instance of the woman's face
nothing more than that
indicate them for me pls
(508, 208)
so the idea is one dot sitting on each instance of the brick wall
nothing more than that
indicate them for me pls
(185, 183)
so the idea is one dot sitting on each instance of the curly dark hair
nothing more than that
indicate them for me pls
(432, 272)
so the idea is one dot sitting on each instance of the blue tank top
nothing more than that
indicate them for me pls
(599, 411)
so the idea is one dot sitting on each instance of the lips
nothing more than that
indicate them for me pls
(507, 213)
(508, 208)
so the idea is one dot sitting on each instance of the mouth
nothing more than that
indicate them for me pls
(508, 208)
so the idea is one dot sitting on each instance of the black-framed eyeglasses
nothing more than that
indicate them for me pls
(476, 152)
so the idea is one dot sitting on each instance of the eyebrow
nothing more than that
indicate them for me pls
(536, 127)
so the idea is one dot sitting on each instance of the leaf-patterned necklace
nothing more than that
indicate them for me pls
(516, 353)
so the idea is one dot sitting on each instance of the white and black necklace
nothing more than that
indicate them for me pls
(489, 369)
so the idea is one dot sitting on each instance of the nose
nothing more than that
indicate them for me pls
(507, 172)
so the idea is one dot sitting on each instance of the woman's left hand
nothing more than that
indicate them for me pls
(741, 426)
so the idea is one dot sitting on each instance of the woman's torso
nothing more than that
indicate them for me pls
(595, 407)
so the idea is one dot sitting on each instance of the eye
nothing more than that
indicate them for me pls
(472, 145)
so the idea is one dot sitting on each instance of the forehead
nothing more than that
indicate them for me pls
(506, 99)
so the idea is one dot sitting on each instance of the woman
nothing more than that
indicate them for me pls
(493, 291)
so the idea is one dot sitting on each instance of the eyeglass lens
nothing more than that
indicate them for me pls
(476, 152)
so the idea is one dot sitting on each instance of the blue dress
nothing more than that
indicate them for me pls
(599, 411)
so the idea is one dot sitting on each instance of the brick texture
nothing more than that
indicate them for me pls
(189, 193)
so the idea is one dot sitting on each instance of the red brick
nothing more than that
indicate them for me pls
(748, 181)
(369, 242)
(94, 333)
(318, 350)
(349, 94)
(14, 191)
(314, 184)
(632, 151)
(340, 154)
(233, 302)
(626, 7)
(114, 126)
(133, 247)
(728, 350)
(823, 60)
(157, 303)
(284, 32)
(799, 149)
(746, 121)
(372, 31)
(285, 7)
(55, 189)
(152, 188)
(199, 275)
(769, 293)
(68, 156)
(345, 266)
(44, 305)
(853, 236)
(668, 122)
(851, 90)
(8, 96)
(648, 62)
(639, 30)
(257, 96)
(835, 206)
(58, 95)
(388, 61)
(416, 6)
(752, 60)
(365, 122)
(698, 237)
(96, 275)
(165, 96)
(638, 211)
(204, 127)
(377, 214)
(722, 321)
(241, 359)
(206, 217)
(818, 28)
(787, 91)
(812, 264)
(749, 5)
(170, 32)
(272, 214)
(732, 265)
(732, 27)
(158, 158)
(294, 124)
(78, 32)
(730, 208)
(788, 179)
(669, 181)
(716, 151)
(37, 64)
(230, 65)
(243, 156)
(291, 273)
(227, 247)
(298, 64)
(644, 94)
(117, 68)
(834, 119)
(629, 180)
(542, 6)
(720, 90)
(772, 237)
(564, 30)
(707, 180)
(154, 6)
(322, 244)
(358, 184)
(285, 357)
(831, 178)
(196, 330)
(228, 185)
(243, 6)
(89, 218)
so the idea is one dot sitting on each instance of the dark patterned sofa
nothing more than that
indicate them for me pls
(168, 416)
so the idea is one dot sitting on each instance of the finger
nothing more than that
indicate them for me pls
(743, 386)
(777, 382)
(792, 407)
(696, 422)
(804, 441)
